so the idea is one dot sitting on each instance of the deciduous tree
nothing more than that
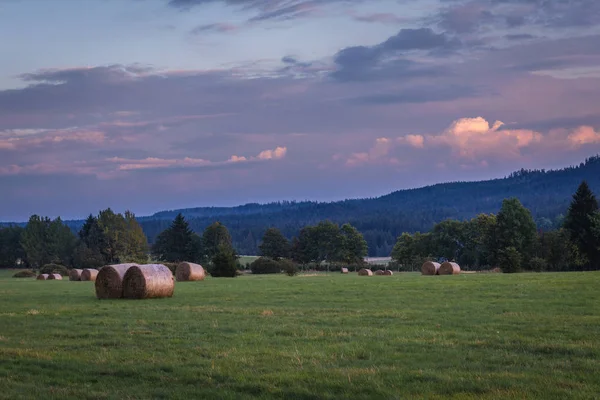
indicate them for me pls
(274, 245)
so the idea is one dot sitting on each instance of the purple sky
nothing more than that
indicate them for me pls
(155, 104)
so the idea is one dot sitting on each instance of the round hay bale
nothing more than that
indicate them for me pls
(89, 274)
(57, 277)
(365, 272)
(42, 277)
(430, 268)
(75, 274)
(388, 272)
(109, 281)
(148, 281)
(379, 272)
(344, 270)
(187, 271)
(449, 268)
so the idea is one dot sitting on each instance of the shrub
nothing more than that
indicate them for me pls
(265, 265)
(224, 264)
(26, 273)
(171, 265)
(54, 269)
(538, 264)
(289, 267)
(509, 260)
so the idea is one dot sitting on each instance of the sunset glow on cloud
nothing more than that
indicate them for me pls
(242, 101)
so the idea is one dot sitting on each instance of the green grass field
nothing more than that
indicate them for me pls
(472, 336)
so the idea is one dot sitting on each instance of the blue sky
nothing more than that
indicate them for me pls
(156, 104)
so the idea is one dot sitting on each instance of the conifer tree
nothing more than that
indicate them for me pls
(579, 223)
(177, 243)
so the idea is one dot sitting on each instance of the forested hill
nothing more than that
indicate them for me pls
(546, 193)
(381, 220)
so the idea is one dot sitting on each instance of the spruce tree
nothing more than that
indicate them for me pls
(579, 223)
(224, 263)
(177, 242)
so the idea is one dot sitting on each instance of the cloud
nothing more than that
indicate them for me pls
(389, 58)
(476, 142)
(275, 154)
(267, 10)
(376, 155)
(216, 27)
(417, 141)
(418, 94)
(584, 135)
(489, 15)
(474, 137)
(125, 164)
(519, 36)
(51, 137)
(383, 18)
(122, 164)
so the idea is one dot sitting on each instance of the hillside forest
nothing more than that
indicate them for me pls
(509, 240)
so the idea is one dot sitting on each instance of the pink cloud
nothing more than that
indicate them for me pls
(474, 137)
(126, 164)
(584, 135)
(275, 154)
(49, 137)
(417, 141)
(474, 142)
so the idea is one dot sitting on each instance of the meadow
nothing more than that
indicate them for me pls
(471, 336)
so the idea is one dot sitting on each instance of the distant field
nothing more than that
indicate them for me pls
(476, 336)
(246, 260)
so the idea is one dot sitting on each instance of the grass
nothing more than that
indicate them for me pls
(476, 336)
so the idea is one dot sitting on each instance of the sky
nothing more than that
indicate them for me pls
(148, 105)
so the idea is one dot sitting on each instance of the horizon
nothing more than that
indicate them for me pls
(172, 104)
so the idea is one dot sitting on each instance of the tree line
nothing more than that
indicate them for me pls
(103, 239)
(510, 240)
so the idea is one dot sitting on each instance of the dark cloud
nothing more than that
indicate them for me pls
(216, 27)
(478, 15)
(383, 18)
(519, 36)
(267, 10)
(465, 18)
(293, 61)
(414, 95)
(389, 57)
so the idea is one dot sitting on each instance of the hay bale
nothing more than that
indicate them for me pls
(42, 277)
(89, 274)
(187, 271)
(449, 268)
(109, 281)
(365, 272)
(75, 274)
(148, 281)
(379, 272)
(57, 277)
(430, 268)
(388, 272)
(344, 270)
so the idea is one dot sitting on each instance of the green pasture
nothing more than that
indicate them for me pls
(471, 336)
